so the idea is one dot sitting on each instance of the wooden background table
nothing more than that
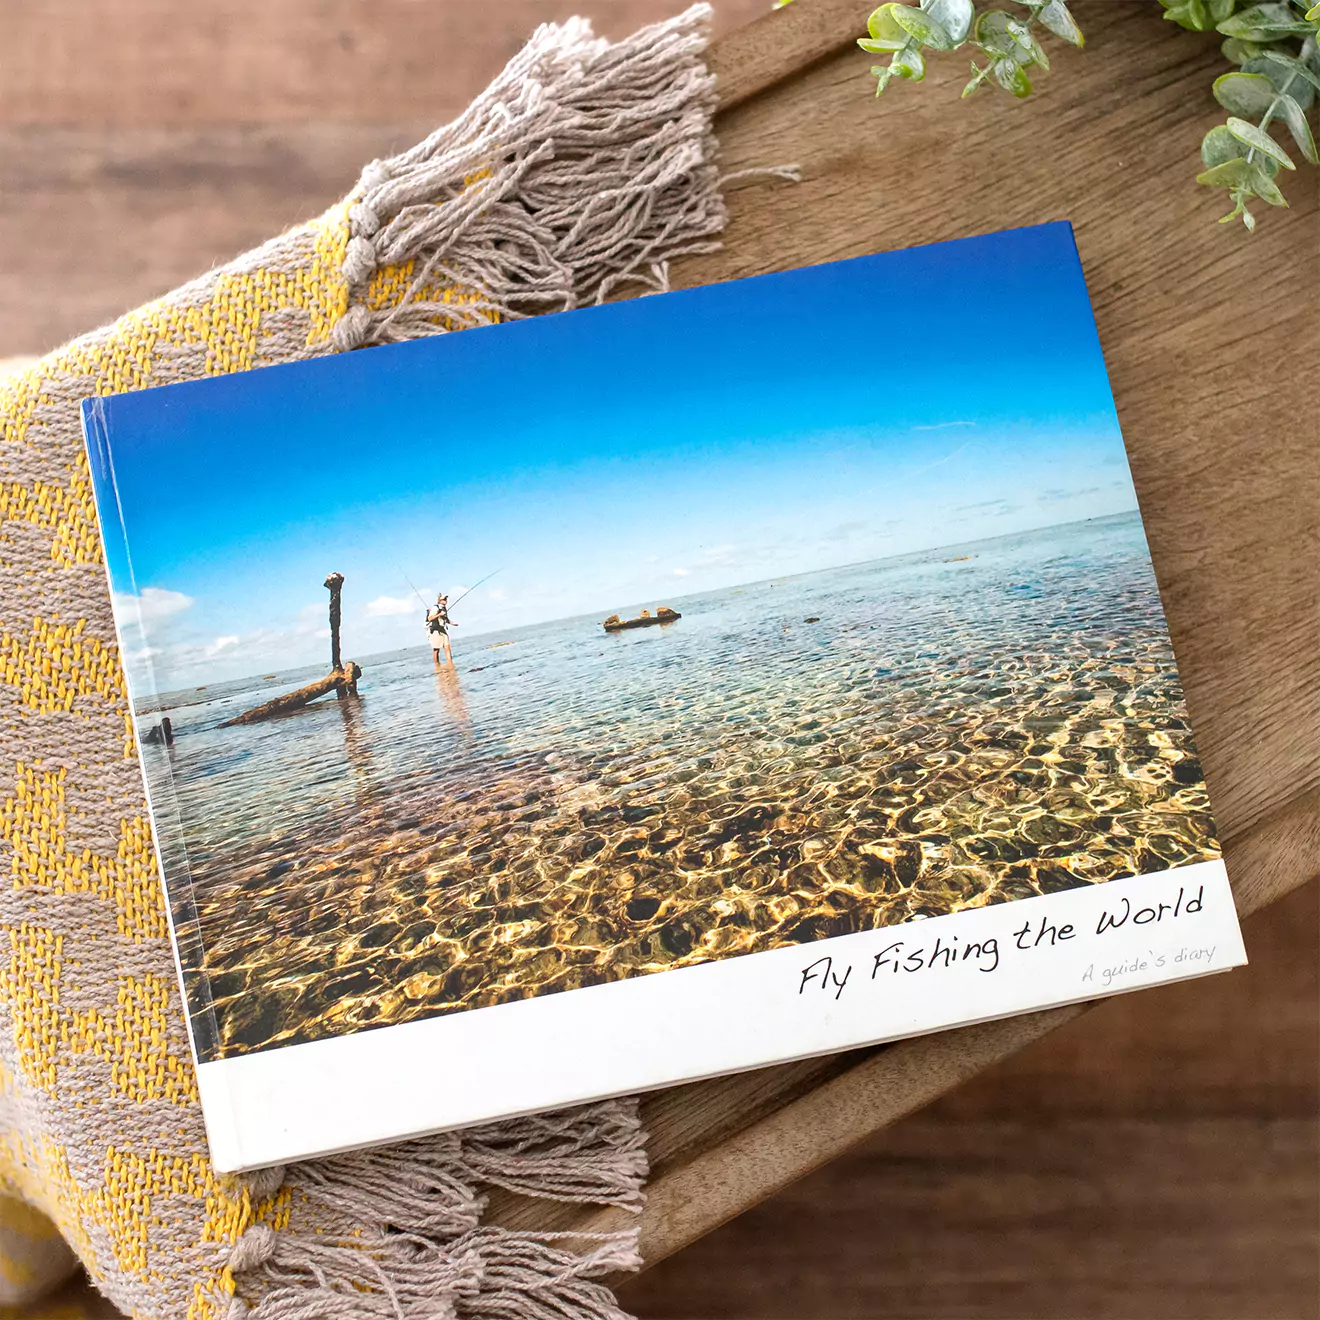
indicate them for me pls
(1158, 1156)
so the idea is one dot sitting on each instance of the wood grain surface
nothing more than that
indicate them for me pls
(142, 144)
(144, 141)
(1219, 424)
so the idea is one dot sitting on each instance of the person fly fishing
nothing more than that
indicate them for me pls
(438, 624)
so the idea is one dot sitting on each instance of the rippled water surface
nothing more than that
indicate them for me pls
(968, 726)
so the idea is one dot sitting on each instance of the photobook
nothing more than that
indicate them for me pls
(594, 702)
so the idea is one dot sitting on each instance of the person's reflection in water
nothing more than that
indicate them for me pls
(451, 697)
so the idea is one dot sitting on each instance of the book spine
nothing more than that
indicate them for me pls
(158, 781)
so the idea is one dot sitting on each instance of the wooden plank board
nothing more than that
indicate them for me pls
(1191, 316)
(1157, 1158)
(143, 142)
(147, 169)
(155, 64)
(1099, 1219)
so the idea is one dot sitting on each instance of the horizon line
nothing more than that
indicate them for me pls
(1135, 511)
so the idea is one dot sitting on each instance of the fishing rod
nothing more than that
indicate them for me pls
(415, 592)
(475, 585)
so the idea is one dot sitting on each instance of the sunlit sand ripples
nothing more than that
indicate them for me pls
(576, 808)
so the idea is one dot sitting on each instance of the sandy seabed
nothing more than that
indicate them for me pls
(566, 809)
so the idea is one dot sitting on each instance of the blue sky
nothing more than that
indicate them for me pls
(615, 457)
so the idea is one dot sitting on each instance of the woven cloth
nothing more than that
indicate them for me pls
(583, 168)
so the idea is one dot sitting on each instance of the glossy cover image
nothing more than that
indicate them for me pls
(749, 620)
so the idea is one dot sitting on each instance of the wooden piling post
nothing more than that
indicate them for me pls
(334, 584)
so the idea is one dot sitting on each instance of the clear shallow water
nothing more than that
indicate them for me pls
(966, 726)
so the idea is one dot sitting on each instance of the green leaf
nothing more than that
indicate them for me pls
(1247, 94)
(1247, 219)
(1239, 52)
(1056, 18)
(1029, 49)
(1310, 54)
(1191, 14)
(908, 63)
(1313, 14)
(882, 77)
(1294, 116)
(1293, 65)
(993, 36)
(1244, 177)
(1288, 74)
(1228, 174)
(1259, 140)
(917, 23)
(1221, 9)
(954, 16)
(1268, 22)
(882, 27)
(1263, 185)
(1012, 77)
(1218, 146)
(880, 47)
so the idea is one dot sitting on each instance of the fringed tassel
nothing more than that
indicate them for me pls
(488, 1274)
(590, 1155)
(584, 166)
(410, 1243)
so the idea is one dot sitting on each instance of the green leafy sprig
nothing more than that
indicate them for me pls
(1275, 47)
(1008, 43)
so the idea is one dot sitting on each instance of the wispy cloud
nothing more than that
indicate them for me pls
(940, 426)
(154, 604)
(1055, 495)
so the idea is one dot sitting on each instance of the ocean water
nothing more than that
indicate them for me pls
(792, 759)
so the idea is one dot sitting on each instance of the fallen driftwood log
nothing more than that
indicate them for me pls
(342, 678)
(343, 681)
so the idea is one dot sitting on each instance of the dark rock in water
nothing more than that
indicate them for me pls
(279, 869)
(579, 847)
(380, 935)
(477, 669)
(814, 618)
(677, 936)
(751, 822)
(644, 620)
(907, 865)
(355, 981)
(272, 1008)
(1054, 880)
(225, 985)
(642, 909)
(1188, 771)
(462, 980)
(413, 936)
(629, 844)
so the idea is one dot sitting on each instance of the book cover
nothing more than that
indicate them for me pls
(595, 702)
